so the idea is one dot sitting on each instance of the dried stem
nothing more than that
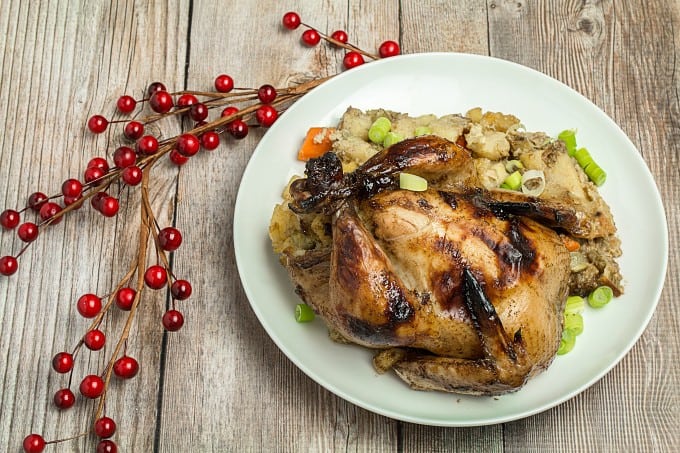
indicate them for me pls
(144, 230)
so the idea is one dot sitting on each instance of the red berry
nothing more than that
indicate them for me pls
(133, 130)
(186, 100)
(210, 140)
(98, 162)
(97, 199)
(36, 200)
(126, 367)
(126, 104)
(170, 239)
(177, 158)
(8, 265)
(161, 102)
(97, 124)
(9, 219)
(388, 49)
(181, 289)
(311, 37)
(92, 386)
(188, 145)
(106, 446)
(64, 398)
(94, 340)
(62, 362)
(155, 277)
(72, 188)
(238, 129)
(147, 145)
(34, 443)
(266, 94)
(93, 174)
(89, 305)
(28, 231)
(49, 210)
(198, 112)
(352, 59)
(124, 156)
(228, 111)
(266, 115)
(109, 206)
(291, 20)
(104, 427)
(154, 87)
(125, 297)
(132, 175)
(340, 35)
(68, 201)
(224, 83)
(173, 320)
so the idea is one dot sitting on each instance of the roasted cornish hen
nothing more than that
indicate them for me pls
(460, 288)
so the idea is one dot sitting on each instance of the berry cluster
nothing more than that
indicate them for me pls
(339, 38)
(128, 166)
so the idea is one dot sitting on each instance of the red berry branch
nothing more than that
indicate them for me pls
(131, 164)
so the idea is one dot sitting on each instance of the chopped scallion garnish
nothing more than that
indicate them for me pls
(391, 138)
(567, 342)
(422, 130)
(412, 182)
(304, 313)
(513, 181)
(574, 323)
(379, 129)
(569, 138)
(600, 296)
(575, 304)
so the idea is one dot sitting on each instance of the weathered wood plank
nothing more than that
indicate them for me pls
(606, 52)
(245, 395)
(437, 27)
(61, 64)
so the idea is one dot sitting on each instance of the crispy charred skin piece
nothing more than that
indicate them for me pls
(469, 291)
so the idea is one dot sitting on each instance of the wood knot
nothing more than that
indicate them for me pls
(585, 25)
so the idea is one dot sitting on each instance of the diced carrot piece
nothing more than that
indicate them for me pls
(317, 142)
(571, 244)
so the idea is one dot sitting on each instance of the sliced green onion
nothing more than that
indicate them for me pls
(379, 129)
(304, 313)
(422, 130)
(514, 181)
(583, 157)
(569, 138)
(574, 323)
(595, 173)
(567, 342)
(412, 182)
(590, 167)
(575, 305)
(533, 182)
(513, 165)
(391, 138)
(600, 296)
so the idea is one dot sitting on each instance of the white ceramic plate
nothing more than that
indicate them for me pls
(440, 84)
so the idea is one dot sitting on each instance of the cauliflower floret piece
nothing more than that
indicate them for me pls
(487, 143)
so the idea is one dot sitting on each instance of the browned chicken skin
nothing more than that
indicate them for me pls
(462, 291)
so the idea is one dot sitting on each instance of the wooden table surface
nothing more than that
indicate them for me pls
(220, 383)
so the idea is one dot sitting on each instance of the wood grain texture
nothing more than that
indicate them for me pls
(220, 384)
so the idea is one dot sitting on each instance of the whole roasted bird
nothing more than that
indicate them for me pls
(461, 289)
